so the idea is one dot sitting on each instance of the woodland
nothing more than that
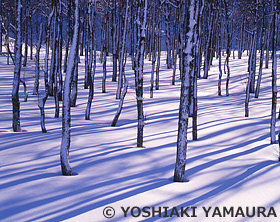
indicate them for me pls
(128, 97)
(187, 34)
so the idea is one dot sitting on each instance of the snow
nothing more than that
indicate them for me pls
(231, 164)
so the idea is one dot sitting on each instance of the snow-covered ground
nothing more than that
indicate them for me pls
(232, 164)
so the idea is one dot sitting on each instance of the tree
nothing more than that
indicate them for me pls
(274, 71)
(189, 59)
(122, 54)
(43, 98)
(66, 115)
(139, 63)
(37, 61)
(92, 58)
(1, 33)
(17, 69)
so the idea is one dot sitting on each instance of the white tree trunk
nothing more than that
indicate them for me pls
(17, 69)
(143, 4)
(189, 52)
(37, 61)
(66, 115)
(121, 60)
(274, 75)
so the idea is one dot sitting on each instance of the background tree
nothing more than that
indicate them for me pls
(139, 63)
(17, 69)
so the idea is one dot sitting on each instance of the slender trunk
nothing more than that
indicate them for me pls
(268, 32)
(121, 61)
(92, 47)
(54, 46)
(208, 48)
(261, 57)
(228, 50)
(220, 60)
(141, 33)
(168, 38)
(87, 72)
(1, 34)
(43, 98)
(175, 50)
(153, 51)
(17, 69)
(66, 115)
(74, 91)
(274, 75)
(59, 65)
(241, 39)
(26, 34)
(68, 35)
(197, 35)
(116, 118)
(254, 51)
(104, 50)
(31, 36)
(158, 55)
(114, 42)
(37, 58)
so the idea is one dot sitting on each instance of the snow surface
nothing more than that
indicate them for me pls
(231, 164)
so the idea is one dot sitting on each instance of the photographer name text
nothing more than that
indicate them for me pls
(258, 211)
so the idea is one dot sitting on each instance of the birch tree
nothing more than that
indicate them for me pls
(1, 33)
(139, 64)
(228, 50)
(274, 71)
(114, 41)
(262, 43)
(17, 69)
(189, 53)
(66, 115)
(42, 98)
(92, 58)
(121, 71)
(37, 61)
(122, 54)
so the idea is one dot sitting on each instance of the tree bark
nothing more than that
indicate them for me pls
(92, 48)
(141, 27)
(66, 115)
(274, 74)
(17, 69)
(37, 61)
(189, 53)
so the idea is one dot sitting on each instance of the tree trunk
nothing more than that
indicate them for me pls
(158, 55)
(26, 33)
(17, 69)
(114, 42)
(228, 47)
(262, 37)
(140, 47)
(37, 61)
(66, 115)
(1, 33)
(43, 98)
(116, 118)
(121, 61)
(92, 49)
(274, 74)
(220, 59)
(189, 53)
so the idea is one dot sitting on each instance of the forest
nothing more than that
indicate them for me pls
(194, 32)
(70, 58)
